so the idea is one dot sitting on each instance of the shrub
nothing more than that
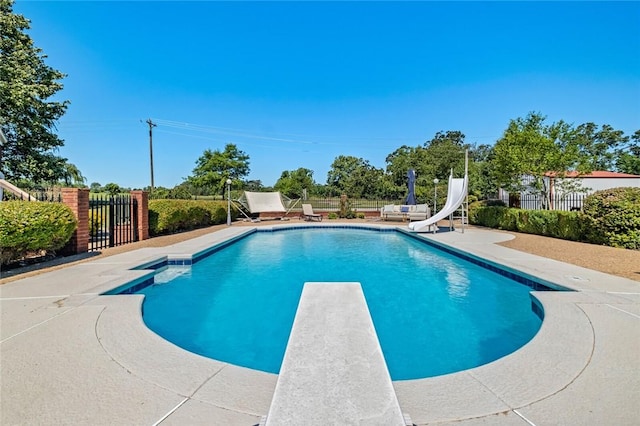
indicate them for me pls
(32, 227)
(95, 222)
(492, 217)
(551, 223)
(345, 211)
(219, 212)
(476, 205)
(612, 217)
(332, 215)
(360, 215)
(168, 216)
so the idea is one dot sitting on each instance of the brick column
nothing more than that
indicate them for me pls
(77, 199)
(143, 213)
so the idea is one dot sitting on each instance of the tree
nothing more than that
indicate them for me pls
(481, 184)
(293, 183)
(354, 177)
(530, 151)
(72, 175)
(435, 159)
(112, 189)
(27, 116)
(445, 152)
(158, 193)
(599, 146)
(213, 168)
(628, 155)
(253, 185)
(401, 160)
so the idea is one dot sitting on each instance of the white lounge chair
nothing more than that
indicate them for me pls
(308, 214)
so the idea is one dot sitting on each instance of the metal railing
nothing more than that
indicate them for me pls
(328, 204)
(52, 197)
(566, 202)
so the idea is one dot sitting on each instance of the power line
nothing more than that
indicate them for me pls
(305, 139)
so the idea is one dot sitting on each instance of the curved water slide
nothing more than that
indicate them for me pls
(456, 195)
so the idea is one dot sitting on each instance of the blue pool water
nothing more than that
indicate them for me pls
(434, 313)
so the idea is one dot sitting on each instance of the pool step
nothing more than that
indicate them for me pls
(333, 370)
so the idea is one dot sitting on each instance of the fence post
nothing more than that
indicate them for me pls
(143, 213)
(112, 221)
(77, 199)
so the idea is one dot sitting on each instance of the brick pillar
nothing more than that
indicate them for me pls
(77, 199)
(143, 213)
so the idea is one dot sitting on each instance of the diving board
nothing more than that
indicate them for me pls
(333, 370)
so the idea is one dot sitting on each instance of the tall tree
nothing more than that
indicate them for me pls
(445, 152)
(481, 183)
(27, 115)
(599, 146)
(293, 183)
(354, 177)
(435, 159)
(72, 175)
(213, 168)
(112, 188)
(403, 159)
(530, 150)
(253, 185)
(628, 155)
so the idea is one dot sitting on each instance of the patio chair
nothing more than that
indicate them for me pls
(308, 214)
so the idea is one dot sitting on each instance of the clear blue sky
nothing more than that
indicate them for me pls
(295, 84)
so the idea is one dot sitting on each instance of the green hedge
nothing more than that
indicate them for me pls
(550, 223)
(31, 227)
(612, 217)
(169, 216)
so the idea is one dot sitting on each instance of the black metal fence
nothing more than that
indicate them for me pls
(53, 197)
(566, 202)
(113, 221)
(354, 203)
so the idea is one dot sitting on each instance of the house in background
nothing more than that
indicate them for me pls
(569, 191)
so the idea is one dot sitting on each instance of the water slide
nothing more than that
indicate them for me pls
(456, 195)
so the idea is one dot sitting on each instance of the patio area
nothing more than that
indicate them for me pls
(71, 356)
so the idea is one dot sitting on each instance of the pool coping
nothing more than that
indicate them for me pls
(580, 357)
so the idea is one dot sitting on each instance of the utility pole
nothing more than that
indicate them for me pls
(151, 126)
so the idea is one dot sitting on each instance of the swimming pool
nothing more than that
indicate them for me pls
(434, 313)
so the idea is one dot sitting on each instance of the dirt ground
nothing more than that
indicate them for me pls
(614, 261)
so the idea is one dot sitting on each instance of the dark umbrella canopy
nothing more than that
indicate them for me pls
(411, 196)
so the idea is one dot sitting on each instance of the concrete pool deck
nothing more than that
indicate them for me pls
(71, 356)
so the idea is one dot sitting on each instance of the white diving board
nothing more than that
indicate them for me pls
(333, 370)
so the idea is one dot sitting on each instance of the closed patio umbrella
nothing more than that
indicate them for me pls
(411, 196)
